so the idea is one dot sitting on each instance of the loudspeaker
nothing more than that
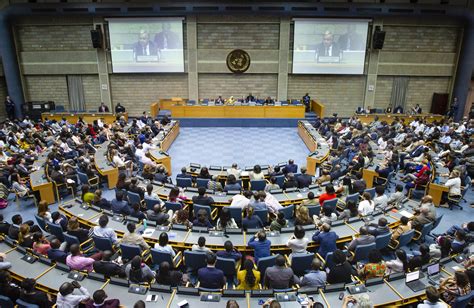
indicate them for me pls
(378, 38)
(96, 37)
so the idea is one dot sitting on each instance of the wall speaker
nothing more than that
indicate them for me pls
(96, 37)
(378, 38)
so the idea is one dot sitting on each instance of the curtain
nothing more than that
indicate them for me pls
(76, 93)
(399, 92)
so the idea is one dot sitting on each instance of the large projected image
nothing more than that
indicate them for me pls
(329, 46)
(148, 45)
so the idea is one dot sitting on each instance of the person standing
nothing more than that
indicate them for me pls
(10, 108)
(306, 101)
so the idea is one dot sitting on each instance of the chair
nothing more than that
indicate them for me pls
(236, 213)
(329, 261)
(371, 191)
(194, 261)
(150, 203)
(354, 197)
(174, 206)
(288, 211)
(301, 264)
(361, 253)
(133, 198)
(130, 251)
(56, 230)
(229, 267)
(463, 301)
(257, 185)
(330, 204)
(382, 241)
(421, 189)
(456, 201)
(264, 263)
(84, 179)
(197, 207)
(71, 239)
(160, 256)
(314, 210)
(435, 224)
(263, 214)
(202, 182)
(6, 302)
(23, 304)
(280, 180)
(103, 243)
(41, 223)
(420, 235)
(403, 240)
(184, 182)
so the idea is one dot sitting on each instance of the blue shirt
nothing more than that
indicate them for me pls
(314, 279)
(120, 207)
(326, 241)
(211, 278)
(229, 255)
(252, 223)
(261, 249)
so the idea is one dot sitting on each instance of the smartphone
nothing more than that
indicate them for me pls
(341, 296)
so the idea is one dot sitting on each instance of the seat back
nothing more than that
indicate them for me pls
(6, 302)
(71, 239)
(23, 304)
(383, 240)
(301, 263)
(426, 230)
(133, 198)
(236, 213)
(194, 260)
(371, 191)
(257, 184)
(288, 211)
(41, 222)
(159, 256)
(174, 206)
(355, 197)
(280, 180)
(314, 210)
(361, 252)
(83, 178)
(405, 238)
(184, 182)
(102, 243)
(329, 260)
(437, 221)
(197, 207)
(330, 204)
(55, 230)
(264, 263)
(130, 251)
(201, 182)
(463, 301)
(263, 214)
(227, 266)
(150, 203)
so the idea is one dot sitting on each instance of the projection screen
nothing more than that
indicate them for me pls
(329, 46)
(146, 45)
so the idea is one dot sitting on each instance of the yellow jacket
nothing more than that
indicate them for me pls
(243, 285)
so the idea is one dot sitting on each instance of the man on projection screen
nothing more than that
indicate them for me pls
(167, 39)
(328, 47)
(144, 47)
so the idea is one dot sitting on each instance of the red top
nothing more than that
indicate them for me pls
(325, 197)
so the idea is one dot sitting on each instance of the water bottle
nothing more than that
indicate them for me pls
(144, 223)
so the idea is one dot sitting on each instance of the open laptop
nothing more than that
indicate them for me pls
(433, 271)
(412, 280)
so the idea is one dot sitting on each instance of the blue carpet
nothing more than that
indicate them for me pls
(245, 146)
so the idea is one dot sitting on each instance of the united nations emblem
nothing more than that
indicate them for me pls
(238, 61)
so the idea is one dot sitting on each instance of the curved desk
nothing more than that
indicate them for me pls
(39, 181)
(390, 117)
(89, 117)
(104, 166)
(316, 144)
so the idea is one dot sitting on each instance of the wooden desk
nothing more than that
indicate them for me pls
(436, 192)
(369, 175)
(105, 117)
(318, 108)
(199, 111)
(39, 181)
(154, 109)
(389, 118)
(310, 139)
(104, 166)
(46, 191)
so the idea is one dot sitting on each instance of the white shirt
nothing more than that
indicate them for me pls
(118, 161)
(72, 300)
(365, 207)
(166, 248)
(427, 304)
(298, 245)
(239, 201)
(454, 186)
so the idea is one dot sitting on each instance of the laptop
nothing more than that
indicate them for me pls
(434, 273)
(412, 280)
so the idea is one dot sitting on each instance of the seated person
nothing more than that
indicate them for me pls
(210, 277)
(397, 197)
(326, 239)
(66, 298)
(232, 184)
(367, 205)
(7, 287)
(225, 221)
(350, 211)
(74, 229)
(136, 212)
(133, 187)
(230, 252)
(363, 239)
(272, 185)
(404, 226)
(341, 271)
(251, 221)
(158, 215)
(422, 257)
(328, 195)
(201, 246)
(139, 272)
(77, 261)
(248, 277)
(302, 216)
(202, 198)
(134, 238)
(108, 267)
(120, 204)
(260, 244)
(167, 276)
(290, 182)
(202, 219)
(279, 222)
(259, 201)
(163, 245)
(310, 200)
(432, 299)
(374, 268)
(103, 231)
(453, 287)
(380, 200)
(315, 277)
(298, 242)
(279, 276)
(99, 300)
(31, 295)
(399, 264)
(380, 228)
(55, 253)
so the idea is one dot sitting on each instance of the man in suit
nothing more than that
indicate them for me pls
(380, 228)
(291, 167)
(304, 180)
(202, 198)
(306, 101)
(107, 267)
(10, 108)
(250, 98)
(210, 277)
(133, 187)
(103, 108)
(363, 239)
(144, 46)
(184, 174)
(328, 48)
(326, 239)
(167, 39)
(55, 253)
(158, 215)
(351, 40)
(398, 109)
(119, 108)
(119, 205)
(279, 276)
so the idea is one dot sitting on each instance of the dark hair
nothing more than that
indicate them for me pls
(103, 221)
(402, 255)
(352, 207)
(432, 294)
(174, 193)
(311, 195)
(119, 195)
(231, 179)
(280, 260)
(17, 219)
(163, 239)
(250, 278)
(149, 189)
(136, 274)
(131, 227)
(299, 232)
(339, 256)
(375, 256)
(330, 189)
(257, 169)
(28, 284)
(202, 241)
(462, 280)
(85, 190)
(139, 304)
(224, 217)
(99, 296)
(404, 220)
(201, 190)
(228, 245)
(211, 258)
(379, 189)
(383, 221)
